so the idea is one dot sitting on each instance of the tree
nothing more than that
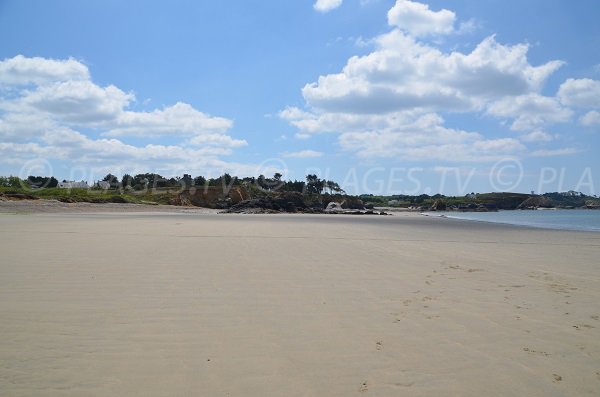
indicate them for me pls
(113, 180)
(42, 181)
(199, 181)
(127, 181)
(187, 180)
(333, 187)
(149, 180)
(295, 186)
(314, 185)
(226, 179)
(12, 181)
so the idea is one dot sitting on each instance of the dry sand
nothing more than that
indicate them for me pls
(283, 305)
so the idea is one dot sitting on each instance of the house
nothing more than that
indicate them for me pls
(73, 185)
(103, 185)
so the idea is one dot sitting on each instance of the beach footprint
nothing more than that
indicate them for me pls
(557, 378)
(540, 353)
(364, 387)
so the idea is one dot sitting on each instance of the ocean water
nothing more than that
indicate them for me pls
(588, 220)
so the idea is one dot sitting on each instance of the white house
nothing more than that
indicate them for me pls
(103, 185)
(73, 185)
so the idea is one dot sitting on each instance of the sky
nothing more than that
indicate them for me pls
(382, 96)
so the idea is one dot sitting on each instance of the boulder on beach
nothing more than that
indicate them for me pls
(334, 206)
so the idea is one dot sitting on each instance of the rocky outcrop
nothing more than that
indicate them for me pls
(333, 206)
(211, 197)
(16, 196)
(438, 205)
(276, 202)
(291, 202)
(536, 202)
(346, 202)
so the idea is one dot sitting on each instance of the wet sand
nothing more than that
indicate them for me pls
(157, 304)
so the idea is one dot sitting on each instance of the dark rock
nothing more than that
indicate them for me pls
(536, 202)
(438, 205)
(17, 196)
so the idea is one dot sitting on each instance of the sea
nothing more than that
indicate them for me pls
(586, 220)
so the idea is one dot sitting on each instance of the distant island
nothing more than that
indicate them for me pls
(271, 195)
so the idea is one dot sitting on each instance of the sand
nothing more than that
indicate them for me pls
(158, 304)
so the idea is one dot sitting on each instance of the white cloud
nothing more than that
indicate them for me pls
(426, 138)
(77, 102)
(530, 111)
(217, 140)
(327, 5)
(554, 152)
(418, 20)
(386, 145)
(590, 119)
(302, 154)
(16, 127)
(179, 119)
(408, 135)
(580, 92)
(388, 103)
(112, 155)
(49, 108)
(20, 70)
(537, 136)
(404, 74)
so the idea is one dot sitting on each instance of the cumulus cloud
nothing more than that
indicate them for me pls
(426, 138)
(217, 140)
(530, 111)
(302, 154)
(590, 119)
(179, 119)
(537, 136)
(327, 5)
(554, 152)
(75, 102)
(388, 103)
(418, 20)
(21, 70)
(580, 92)
(405, 74)
(49, 108)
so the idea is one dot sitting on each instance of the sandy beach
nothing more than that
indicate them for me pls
(171, 304)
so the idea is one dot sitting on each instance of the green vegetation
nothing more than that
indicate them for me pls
(502, 201)
(156, 189)
(151, 188)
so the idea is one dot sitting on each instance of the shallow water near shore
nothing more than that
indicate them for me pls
(587, 220)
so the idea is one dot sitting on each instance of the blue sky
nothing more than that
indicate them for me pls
(383, 96)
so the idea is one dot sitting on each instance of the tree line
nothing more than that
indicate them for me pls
(311, 185)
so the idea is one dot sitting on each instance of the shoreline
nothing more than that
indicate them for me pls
(31, 207)
(479, 218)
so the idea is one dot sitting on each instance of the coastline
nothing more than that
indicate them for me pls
(298, 305)
(563, 219)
